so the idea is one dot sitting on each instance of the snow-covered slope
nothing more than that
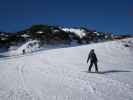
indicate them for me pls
(28, 47)
(60, 74)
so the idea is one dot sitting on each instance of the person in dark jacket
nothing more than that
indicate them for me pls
(23, 51)
(93, 60)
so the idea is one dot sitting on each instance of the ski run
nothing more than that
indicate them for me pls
(61, 74)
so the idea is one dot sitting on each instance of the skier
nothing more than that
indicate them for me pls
(93, 60)
(23, 51)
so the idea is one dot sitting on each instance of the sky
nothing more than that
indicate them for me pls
(103, 15)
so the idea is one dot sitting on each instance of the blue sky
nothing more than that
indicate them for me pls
(103, 15)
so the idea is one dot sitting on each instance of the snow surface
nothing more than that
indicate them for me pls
(61, 74)
(25, 36)
(79, 32)
(29, 47)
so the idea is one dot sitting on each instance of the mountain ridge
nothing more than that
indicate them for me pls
(47, 34)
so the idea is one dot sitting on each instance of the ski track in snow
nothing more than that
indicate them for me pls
(54, 75)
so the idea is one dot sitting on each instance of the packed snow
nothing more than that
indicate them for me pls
(61, 74)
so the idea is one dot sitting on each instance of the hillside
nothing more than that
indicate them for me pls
(54, 35)
(61, 74)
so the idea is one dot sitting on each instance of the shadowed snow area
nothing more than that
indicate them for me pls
(61, 74)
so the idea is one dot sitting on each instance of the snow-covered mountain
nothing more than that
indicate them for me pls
(47, 34)
(53, 35)
(61, 74)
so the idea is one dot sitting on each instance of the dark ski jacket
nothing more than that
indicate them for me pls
(92, 57)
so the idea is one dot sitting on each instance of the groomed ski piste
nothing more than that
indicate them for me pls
(61, 74)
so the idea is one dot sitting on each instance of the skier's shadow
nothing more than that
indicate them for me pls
(110, 71)
(113, 71)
